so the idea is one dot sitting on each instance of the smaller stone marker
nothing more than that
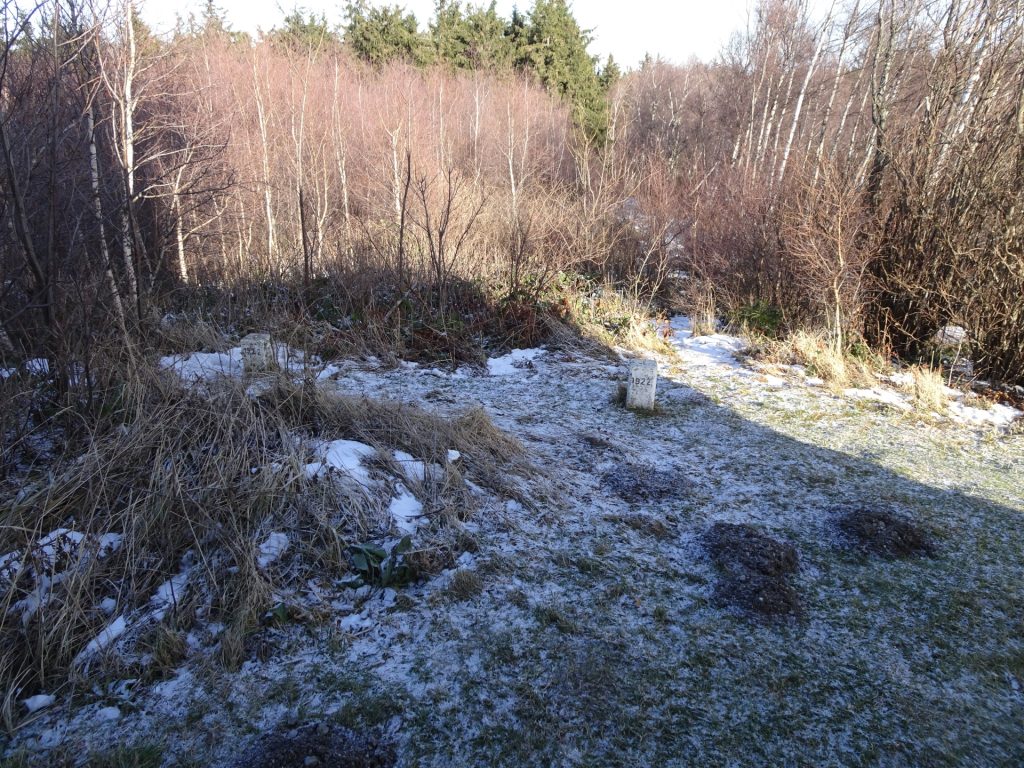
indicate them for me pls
(643, 380)
(257, 353)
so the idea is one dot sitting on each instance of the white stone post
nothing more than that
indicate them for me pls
(643, 380)
(257, 353)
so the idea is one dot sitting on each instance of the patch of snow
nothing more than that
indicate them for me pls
(414, 469)
(877, 394)
(6, 373)
(169, 594)
(61, 541)
(717, 349)
(901, 379)
(290, 359)
(38, 597)
(344, 455)
(355, 622)
(406, 510)
(59, 547)
(39, 366)
(108, 605)
(205, 366)
(108, 543)
(64, 542)
(348, 455)
(37, 702)
(10, 564)
(329, 371)
(951, 335)
(998, 415)
(512, 363)
(453, 456)
(103, 640)
(51, 737)
(271, 550)
(172, 689)
(108, 714)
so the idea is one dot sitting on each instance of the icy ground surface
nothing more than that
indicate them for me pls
(596, 639)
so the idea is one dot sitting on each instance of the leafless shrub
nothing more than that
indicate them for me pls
(827, 254)
(703, 309)
(861, 170)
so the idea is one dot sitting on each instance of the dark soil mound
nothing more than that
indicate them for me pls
(638, 483)
(884, 534)
(760, 595)
(330, 746)
(755, 570)
(740, 545)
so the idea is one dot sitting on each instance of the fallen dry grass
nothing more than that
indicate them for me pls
(929, 389)
(485, 451)
(837, 368)
(199, 479)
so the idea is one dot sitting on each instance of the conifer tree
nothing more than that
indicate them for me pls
(556, 50)
(470, 38)
(304, 32)
(385, 33)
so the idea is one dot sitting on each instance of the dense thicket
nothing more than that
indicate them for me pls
(862, 171)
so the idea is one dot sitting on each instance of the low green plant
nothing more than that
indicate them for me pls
(759, 317)
(382, 568)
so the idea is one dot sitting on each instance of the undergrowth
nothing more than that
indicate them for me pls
(569, 311)
(166, 490)
(839, 368)
(133, 507)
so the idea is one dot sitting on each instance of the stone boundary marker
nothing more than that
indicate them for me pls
(257, 353)
(643, 380)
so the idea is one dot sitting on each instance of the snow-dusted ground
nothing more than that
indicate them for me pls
(595, 639)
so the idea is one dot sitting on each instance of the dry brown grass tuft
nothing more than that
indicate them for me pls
(929, 388)
(175, 472)
(186, 334)
(202, 478)
(703, 310)
(607, 318)
(835, 367)
(562, 335)
(492, 457)
(465, 585)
